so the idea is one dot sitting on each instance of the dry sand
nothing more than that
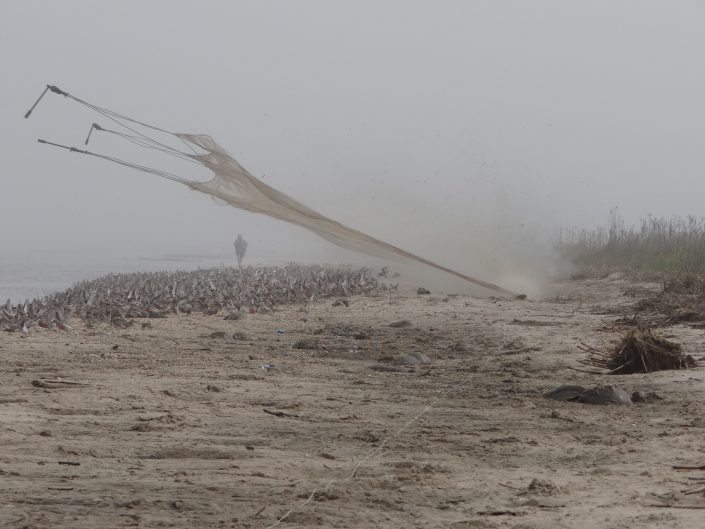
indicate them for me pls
(165, 425)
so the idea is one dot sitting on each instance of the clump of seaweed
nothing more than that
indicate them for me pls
(640, 350)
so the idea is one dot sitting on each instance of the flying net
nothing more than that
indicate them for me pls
(234, 185)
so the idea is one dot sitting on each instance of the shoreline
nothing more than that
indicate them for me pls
(28, 278)
(121, 298)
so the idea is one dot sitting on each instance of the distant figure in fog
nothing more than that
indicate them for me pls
(240, 249)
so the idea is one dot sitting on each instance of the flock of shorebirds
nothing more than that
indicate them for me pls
(119, 299)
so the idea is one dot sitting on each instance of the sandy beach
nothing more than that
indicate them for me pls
(174, 422)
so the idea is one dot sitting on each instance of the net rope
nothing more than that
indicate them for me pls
(234, 185)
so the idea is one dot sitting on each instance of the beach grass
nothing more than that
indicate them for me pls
(656, 244)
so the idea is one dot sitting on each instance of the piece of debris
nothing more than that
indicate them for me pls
(542, 487)
(54, 384)
(213, 388)
(536, 323)
(645, 396)
(500, 512)
(278, 413)
(280, 331)
(383, 368)
(305, 344)
(640, 350)
(421, 291)
(414, 358)
(606, 394)
(546, 503)
(344, 329)
(239, 336)
(266, 367)
(141, 427)
(401, 323)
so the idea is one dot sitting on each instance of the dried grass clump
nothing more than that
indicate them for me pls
(681, 301)
(640, 350)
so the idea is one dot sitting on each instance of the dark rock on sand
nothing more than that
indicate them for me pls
(606, 394)
(305, 344)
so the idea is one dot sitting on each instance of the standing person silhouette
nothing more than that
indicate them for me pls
(240, 249)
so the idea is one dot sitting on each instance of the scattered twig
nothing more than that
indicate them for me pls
(67, 382)
(278, 413)
(145, 419)
(510, 486)
(694, 491)
(670, 506)
(46, 383)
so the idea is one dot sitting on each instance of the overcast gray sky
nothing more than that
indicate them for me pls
(432, 125)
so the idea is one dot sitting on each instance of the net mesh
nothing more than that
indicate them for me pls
(234, 185)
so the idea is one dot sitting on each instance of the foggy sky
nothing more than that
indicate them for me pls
(450, 128)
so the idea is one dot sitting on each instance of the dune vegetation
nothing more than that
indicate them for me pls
(656, 244)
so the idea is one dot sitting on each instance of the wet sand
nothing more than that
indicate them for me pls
(165, 426)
